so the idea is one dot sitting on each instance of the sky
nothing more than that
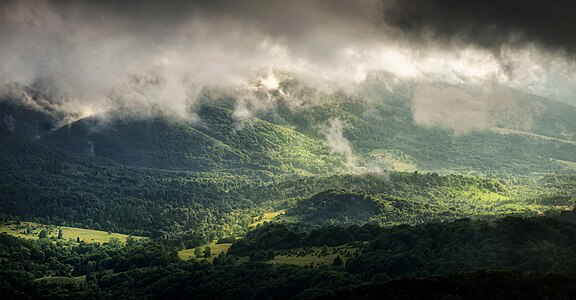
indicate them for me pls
(95, 54)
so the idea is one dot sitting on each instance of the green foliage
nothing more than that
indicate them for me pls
(43, 234)
(187, 184)
(477, 285)
(413, 198)
(219, 142)
(207, 252)
(66, 189)
(532, 244)
(198, 252)
(522, 244)
(381, 119)
(337, 261)
(339, 207)
(152, 270)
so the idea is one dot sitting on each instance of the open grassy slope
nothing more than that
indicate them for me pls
(31, 230)
(215, 250)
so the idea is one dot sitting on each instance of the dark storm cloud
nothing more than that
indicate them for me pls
(163, 52)
(278, 18)
(96, 53)
(488, 23)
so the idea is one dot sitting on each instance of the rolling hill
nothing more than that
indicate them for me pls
(218, 142)
(465, 138)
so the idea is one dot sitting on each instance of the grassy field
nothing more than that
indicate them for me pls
(314, 256)
(30, 230)
(394, 161)
(268, 217)
(531, 134)
(215, 249)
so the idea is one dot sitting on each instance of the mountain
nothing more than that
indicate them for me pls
(215, 143)
(345, 176)
(488, 131)
(484, 130)
(159, 142)
(24, 120)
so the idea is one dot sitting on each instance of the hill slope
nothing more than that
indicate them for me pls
(57, 187)
(218, 142)
(386, 130)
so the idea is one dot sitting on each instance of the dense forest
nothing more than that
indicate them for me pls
(461, 254)
(344, 196)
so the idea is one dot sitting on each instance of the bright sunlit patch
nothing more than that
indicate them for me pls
(86, 111)
(474, 64)
(396, 62)
(467, 64)
(270, 82)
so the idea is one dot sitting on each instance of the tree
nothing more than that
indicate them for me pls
(130, 241)
(114, 242)
(198, 252)
(60, 235)
(337, 261)
(43, 234)
(207, 252)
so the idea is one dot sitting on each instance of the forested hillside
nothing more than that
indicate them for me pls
(216, 142)
(39, 182)
(382, 128)
(447, 251)
(72, 189)
(300, 201)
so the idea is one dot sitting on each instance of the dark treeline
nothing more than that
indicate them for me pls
(151, 269)
(216, 142)
(532, 244)
(477, 285)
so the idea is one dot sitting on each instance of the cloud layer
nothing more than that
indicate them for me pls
(94, 55)
(488, 23)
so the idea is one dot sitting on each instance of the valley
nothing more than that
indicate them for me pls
(368, 199)
(273, 149)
